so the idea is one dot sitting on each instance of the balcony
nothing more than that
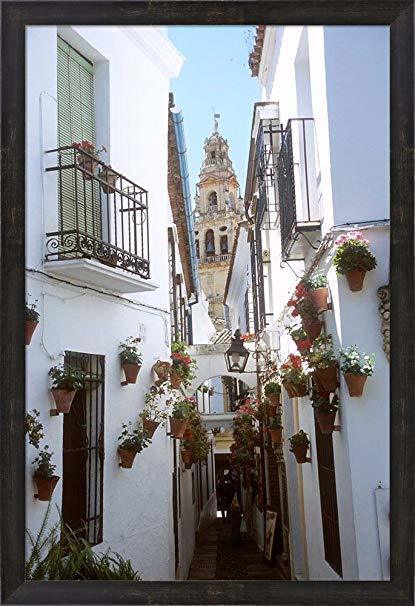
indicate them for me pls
(298, 189)
(102, 235)
(268, 145)
(224, 258)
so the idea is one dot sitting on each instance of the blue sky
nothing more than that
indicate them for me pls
(215, 75)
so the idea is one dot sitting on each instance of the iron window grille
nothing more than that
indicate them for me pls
(298, 187)
(179, 313)
(83, 450)
(267, 149)
(97, 219)
(257, 276)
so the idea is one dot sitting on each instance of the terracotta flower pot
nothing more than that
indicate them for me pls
(313, 329)
(175, 380)
(318, 383)
(272, 410)
(303, 345)
(319, 298)
(275, 435)
(300, 453)
(327, 377)
(355, 278)
(290, 389)
(326, 421)
(300, 389)
(150, 427)
(45, 487)
(127, 457)
(131, 372)
(88, 164)
(63, 399)
(110, 261)
(29, 329)
(274, 399)
(187, 458)
(110, 178)
(355, 384)
(178, 427)
(162, 370)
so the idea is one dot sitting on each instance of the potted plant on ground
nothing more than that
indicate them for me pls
(322, 359)
(275, 430)
(131, 442)
(356, 368)
(66, 381)
(43, 475)
(317, 291)
(88, 160)
(273, 392)
(162, 370)
(181, 410)
(353, 258)
(294, 377)
(131, 358)
(325, 410)
(34, 428)
(110, 177)
(186, 453)
(31, 320)
(299, 444)
(152, 415)
(300, 338)
(183, 366)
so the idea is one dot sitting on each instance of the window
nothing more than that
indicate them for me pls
(83, 451)
(224, 245)
(178, 310)
(328, 499)
(213, 201)
(197, 249)
(210, 242)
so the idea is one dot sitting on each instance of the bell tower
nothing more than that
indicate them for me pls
(219, 208)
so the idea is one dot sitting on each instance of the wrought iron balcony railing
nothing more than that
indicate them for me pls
(102, 214)
(298, 188)
(215, 259)
(268, 144)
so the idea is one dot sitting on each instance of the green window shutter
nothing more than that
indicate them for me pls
(80, 205)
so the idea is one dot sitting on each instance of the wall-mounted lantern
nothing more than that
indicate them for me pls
(237, 355)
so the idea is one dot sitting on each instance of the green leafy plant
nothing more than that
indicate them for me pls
(299, 439)
(129, 351)
(353, 252)
(66, 377)
(321, 353)
(31, 313)
(133, 439)
(317, 280)
(182, 408)
(307, 311)
(179, 347)
(152, 409)
(297, 332)
(321, 401)
(354, 362)
(44, 467)
(275, 422)
(182, 364)
(272, 388)
(34, 428)
(292, 370)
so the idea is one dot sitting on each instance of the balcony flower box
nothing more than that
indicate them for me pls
(353, 259)
(66, 381)
(132, 441)
(131, 358)
(43, 476)
(31, 321)
(356, 367)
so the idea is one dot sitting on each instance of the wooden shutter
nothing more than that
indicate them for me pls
(80, 206)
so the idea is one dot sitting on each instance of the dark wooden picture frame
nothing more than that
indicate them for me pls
(399, 15)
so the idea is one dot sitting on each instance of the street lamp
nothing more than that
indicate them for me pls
(237, 355)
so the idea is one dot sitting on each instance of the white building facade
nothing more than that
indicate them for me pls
(324, 116)
(98, 266)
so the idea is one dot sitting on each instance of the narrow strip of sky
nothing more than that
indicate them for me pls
(215, 78)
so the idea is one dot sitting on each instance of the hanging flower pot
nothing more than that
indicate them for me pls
(162, 370)
(187, 458)
(274, 399)
(110, 177)
(275, 435)
(355, 279)
(300, 389)
(88, 164)
(149, 426)
(312, 328)
(326, 421)
(319, 298)
(272, 410)
(290, 388)
(355, 384)
(63, 399)
(45, 487)
(111, 260)
(178, 427)
(131, 372)
(327, 377)
(127, 457)
(303, 345)
(175, 380)
(300, 453)
(29, 328)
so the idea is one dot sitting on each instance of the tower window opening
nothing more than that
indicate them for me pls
(224, 245)
(213, 201)
(210, 243)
